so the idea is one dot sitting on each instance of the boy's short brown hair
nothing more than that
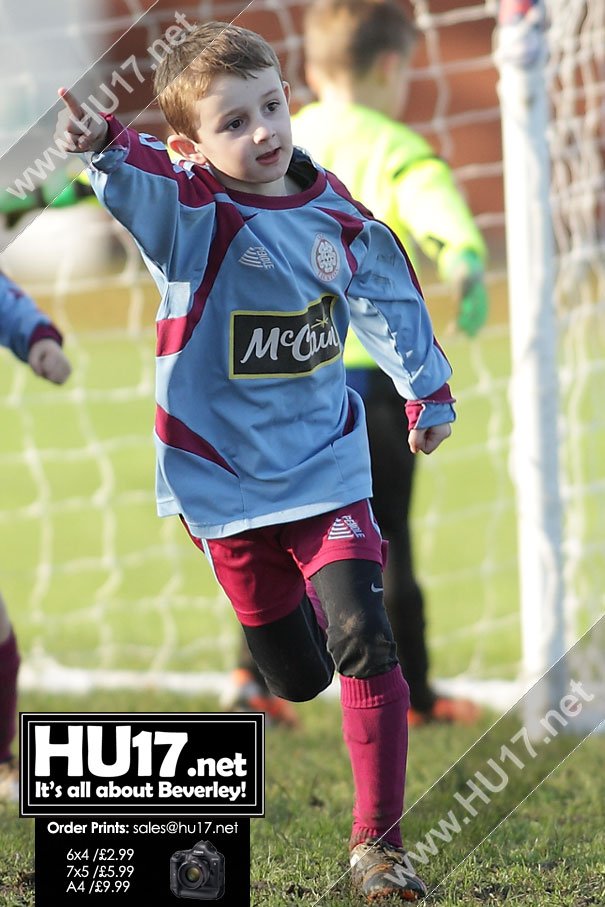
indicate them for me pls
(184, 75)
(346, 36)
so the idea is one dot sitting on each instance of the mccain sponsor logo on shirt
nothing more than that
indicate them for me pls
(278, 344)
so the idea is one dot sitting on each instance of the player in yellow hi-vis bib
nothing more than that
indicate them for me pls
(357, 57)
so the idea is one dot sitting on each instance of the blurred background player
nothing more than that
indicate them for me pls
(357, 55)
(32, 337)
(60, 190)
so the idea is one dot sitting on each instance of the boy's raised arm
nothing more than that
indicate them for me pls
(134, 177)
(77, 131)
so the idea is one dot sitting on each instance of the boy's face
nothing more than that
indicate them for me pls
(245, 133)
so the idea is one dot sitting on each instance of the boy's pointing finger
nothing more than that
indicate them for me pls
(72, 104)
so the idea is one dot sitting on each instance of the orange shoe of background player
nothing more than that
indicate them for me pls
(247, 695)
(446, 711)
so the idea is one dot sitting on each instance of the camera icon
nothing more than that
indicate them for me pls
(198, 873)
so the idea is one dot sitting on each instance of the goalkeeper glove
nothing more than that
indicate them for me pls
(466, 275)
(474, 306)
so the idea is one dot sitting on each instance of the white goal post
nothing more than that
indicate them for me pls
(534, 393)
(534, 42)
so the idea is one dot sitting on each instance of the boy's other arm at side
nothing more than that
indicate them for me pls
(390, 317)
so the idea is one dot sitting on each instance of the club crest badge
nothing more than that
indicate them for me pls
(325, 259)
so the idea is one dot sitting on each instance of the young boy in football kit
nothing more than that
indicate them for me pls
(357, 62)
(262, 258)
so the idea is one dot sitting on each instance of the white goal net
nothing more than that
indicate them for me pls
(101, 591)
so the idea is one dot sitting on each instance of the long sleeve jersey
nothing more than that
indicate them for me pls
(396, 173)
(21, 321)
(254, 422)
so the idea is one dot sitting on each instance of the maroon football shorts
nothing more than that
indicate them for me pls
(263, 571)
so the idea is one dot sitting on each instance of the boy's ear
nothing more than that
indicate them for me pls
(185, 147)
(287, 92)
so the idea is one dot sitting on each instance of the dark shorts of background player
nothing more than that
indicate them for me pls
(295, 643)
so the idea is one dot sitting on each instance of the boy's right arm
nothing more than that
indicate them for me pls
(134, 177)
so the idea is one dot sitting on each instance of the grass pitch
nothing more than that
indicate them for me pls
(548, 852)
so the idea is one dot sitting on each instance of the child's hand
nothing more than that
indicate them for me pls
(426, 440)
(76, 128)
(48, 360)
